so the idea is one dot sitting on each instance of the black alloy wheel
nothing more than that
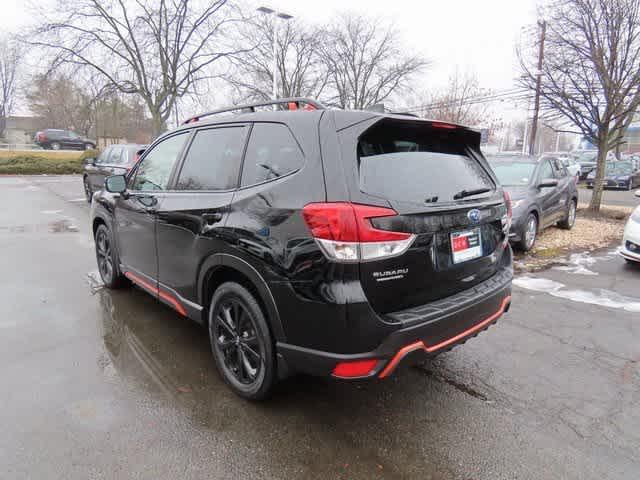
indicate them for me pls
(107, 258)
(240, 341)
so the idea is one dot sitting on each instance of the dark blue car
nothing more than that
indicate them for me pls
(617, 175)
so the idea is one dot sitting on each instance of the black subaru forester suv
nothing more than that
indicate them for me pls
(308, 240)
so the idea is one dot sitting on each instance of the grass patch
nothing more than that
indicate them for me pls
(43, 162)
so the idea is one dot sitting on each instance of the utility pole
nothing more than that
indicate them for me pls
(536, 105)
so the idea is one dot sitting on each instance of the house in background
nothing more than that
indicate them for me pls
(21, 129)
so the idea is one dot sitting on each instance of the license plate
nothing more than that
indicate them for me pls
(466, 245)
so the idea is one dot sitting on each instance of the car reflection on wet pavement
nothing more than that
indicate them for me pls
(113, 384)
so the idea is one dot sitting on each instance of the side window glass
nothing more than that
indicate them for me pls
(102, 158)
(155, 169)
(546, 171)
(271, 153)
(213, 159)
(114, 156)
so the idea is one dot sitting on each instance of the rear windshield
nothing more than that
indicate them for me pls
(418, 164)
(513, 174)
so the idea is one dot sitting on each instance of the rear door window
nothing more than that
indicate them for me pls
(272, 152)
(213, 160)
(418, 164)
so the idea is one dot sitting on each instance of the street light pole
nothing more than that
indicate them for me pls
(278, 15)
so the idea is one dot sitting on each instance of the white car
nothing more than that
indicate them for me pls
(630, 250)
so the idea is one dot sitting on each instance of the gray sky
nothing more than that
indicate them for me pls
(471, 35)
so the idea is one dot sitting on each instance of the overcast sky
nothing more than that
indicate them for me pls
(471, 35)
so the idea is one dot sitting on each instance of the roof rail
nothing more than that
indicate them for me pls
(292, 103)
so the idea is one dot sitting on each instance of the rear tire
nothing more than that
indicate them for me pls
(528, 234)
(55, 146)
(88, 146)
(241, 343)
(570, 220)
(107, 258)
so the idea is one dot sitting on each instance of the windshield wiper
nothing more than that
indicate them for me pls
(469, 193)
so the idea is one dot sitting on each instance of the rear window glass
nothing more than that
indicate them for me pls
(418, 165)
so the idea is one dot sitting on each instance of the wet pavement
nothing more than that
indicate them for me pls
(100, 384)
(621, 198)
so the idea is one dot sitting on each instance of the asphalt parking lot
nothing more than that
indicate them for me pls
(99, 384)
(621, 198)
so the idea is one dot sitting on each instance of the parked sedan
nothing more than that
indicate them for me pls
(617, 175)
(630, 249)
(114, 160)
(542, 193)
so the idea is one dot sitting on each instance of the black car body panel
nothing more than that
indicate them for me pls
(180, 243)
(618, 175)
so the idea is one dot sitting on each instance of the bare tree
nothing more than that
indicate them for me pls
(366, 62)
(458, 102)
(299, 67)
(157, 49)
(591, 71)
(60, 103)
(10, 55)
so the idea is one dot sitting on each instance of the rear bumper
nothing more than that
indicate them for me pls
(433, 334)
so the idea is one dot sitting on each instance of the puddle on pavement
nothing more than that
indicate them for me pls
(578, 264)
(601, 296)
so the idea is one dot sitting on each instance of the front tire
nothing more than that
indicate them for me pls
(570, 219)
(107, 258)
(87, 189)
(55, 146)
(241, 343)
(88, 146)
(528, 234)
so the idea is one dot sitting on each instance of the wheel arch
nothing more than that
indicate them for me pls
(222, 267)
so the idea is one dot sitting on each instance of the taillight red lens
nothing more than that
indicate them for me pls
(358, 368)
(345, 233)
(348, 222)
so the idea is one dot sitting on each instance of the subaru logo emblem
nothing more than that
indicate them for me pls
(474, 215)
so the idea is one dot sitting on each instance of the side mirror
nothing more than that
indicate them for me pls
(548, 183)
(89, 161)
(638, 193)
(115, 184)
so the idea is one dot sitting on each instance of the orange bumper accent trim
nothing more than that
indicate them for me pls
(163, 295)
(420, 345)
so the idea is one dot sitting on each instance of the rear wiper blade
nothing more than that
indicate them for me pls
(469, 193)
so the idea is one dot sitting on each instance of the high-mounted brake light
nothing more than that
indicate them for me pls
(442, 125)
(345, 233)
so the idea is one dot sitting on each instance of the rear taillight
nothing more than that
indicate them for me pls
(345, 233)
(508, 217)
